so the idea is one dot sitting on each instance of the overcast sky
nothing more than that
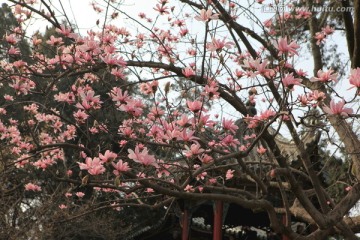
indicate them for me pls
(81, 13)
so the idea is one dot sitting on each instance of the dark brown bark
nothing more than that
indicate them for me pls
(349, 28)
(356, 54)
(315, 49)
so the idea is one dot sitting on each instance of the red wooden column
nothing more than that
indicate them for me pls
(284, 237)
(185, 225)
(218, 215)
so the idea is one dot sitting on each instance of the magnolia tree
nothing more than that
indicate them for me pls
(185, 101)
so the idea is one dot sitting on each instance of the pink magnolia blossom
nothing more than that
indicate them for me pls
(301, 73)
(117, 95)
(267, 114)
(183, 32)
(261, 150)
(155, 132)
(268, 23)
(201, 176)
(302, 14)
(261, 68)
(183, 121)
(242, 148)
(289, 81)
(171, 134)
(11, 39)
(285, 48)
(93, 165)
(69, 173)
(178, 22)
(32, 187)
(122, 143)
(188, 72)
(118, 73)
(14, 51)
(133, 107)
(211, 90)
(53, 41)
(254, 121)
(22, 85)
(354, 78)
(120, 166)
(320, 37)
(212, 180)
(126, 131)
(317, 96)
(251, 63)
(80, 116)
(89, 101)
(114, 60)
(247, 137)
(142, 157)
(328, 30)
(228, 124)
(229, 174)
(155, 112)
(162, 171)
(337, 109)
(67, 32)
(44, 162)
(194, 106)
(206, 15)
(303, 99)
(89, 46)
(324, 77)
(239, 73)
(194, 149)
(205, 159)
(80, 194)
(162, 9)
(149, 87)
(35, 41)
(96, 8)
(189, 188)
(8, 97)
(20, 64)
(108, 156)
(204, 120)
(229, 140)
(191, 52)
(62, 206)
(218, 45)
(68, 97)
(187, 136)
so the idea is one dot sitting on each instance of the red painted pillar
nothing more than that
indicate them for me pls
(185, 225)
(217, 234)
(284, 237)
